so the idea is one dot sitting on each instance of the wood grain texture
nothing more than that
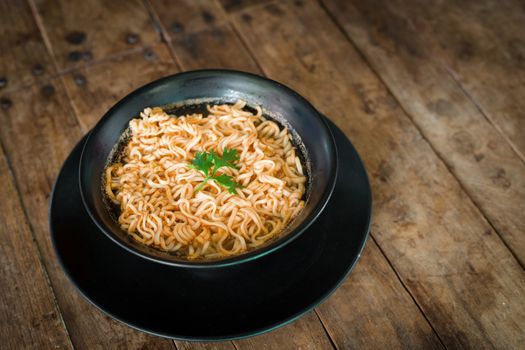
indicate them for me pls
(305, 333)
(29, 317)
(206, 49)
(40, 120)
(23, 56)
(96, 28)
(449, 64)
(94, 89)
(465, 280)
(187, 16)
(374, 303)
(479, 156)
(38, 132)
(483, 45)
(200, 37)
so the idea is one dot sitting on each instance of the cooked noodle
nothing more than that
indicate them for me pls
(155, 188)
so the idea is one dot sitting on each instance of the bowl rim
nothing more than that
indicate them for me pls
(235, 259)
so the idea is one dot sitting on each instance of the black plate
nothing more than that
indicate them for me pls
(221, 303)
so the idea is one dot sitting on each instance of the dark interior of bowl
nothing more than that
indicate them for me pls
(191, 92)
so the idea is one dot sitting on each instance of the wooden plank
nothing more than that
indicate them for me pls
(29, 317)
(40, 122)
(94, 89)
(81, 31)
(477, 154)
(187, 16)
(377, 312)
(305, 333)
(410, 318)
(465, 280)
(23, 55)
(482, 44)
(199, 34)
(206, 49)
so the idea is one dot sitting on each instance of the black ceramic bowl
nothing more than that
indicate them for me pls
(192, 91)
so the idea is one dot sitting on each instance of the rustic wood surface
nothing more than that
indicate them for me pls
(24, 58)
(29, 316)
(483, 162)
(432, 97)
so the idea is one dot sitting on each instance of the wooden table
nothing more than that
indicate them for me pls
(432, 95)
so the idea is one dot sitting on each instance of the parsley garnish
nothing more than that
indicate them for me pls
(210, 162)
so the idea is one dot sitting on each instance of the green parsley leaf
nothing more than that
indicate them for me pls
(204, 161)
(227, 181)
(228, 157)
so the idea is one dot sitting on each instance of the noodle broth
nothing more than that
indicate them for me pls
(161, 200)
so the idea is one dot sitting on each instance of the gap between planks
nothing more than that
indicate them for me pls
(408, 291)
(155, 21)
(454, 76)
(15, 180)
(26, 220)
(409, 115)
(42, 31)
(328, 335)
(164, 37)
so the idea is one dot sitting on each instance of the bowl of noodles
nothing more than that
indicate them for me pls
(208, 168)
